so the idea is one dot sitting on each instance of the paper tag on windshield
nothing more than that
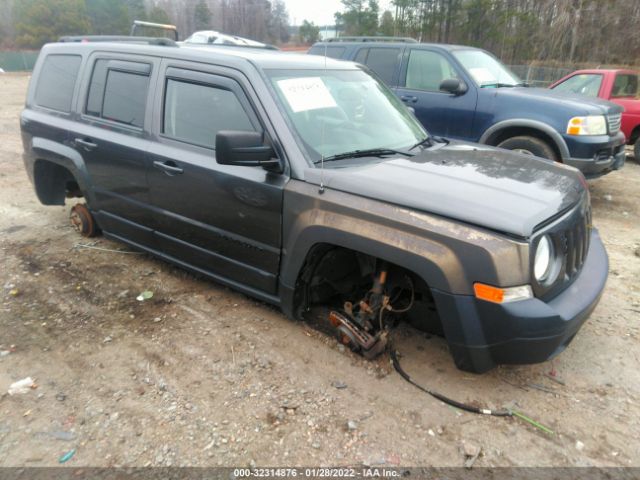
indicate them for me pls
(308, 93)
(482, 75)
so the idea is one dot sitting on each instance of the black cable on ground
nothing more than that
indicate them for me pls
(463, 406)
(442, 398)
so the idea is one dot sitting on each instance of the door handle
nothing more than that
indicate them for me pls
(409, 98)
(169, 167)
(85, 143)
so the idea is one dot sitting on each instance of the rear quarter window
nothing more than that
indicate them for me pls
(57, 81)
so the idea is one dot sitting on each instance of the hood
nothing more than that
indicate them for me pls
(484, 186)
(575, 102)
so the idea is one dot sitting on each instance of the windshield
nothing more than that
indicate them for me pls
(584, 84)
(338, 111)
(486, 70)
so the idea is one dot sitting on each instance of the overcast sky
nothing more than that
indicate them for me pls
(319, 12)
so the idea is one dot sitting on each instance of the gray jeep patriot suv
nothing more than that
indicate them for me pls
(305, 182)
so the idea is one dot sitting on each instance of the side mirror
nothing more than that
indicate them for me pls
(246, 149)
(454, 86)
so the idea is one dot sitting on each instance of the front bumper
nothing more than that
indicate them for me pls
(596, 156)
(482, 335)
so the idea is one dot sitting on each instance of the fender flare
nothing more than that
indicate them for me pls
(67, 157)
(533, 124)
(412, 252)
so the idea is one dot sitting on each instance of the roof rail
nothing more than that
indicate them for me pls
(266, 46)
(373, 39)
(167, 42)
(160, 26)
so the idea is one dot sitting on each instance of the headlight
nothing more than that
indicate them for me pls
(591, 125)
(543, 259)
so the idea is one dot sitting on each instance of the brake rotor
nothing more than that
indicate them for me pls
(82, 221)
(357, 339)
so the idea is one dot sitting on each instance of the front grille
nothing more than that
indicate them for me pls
(575, 242)
(570, 235)
(614, 120)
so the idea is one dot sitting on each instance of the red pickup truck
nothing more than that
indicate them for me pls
(617, 86)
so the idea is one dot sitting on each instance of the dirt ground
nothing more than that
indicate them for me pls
(200, 375)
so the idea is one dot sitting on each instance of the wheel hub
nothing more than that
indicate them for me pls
(76, 221)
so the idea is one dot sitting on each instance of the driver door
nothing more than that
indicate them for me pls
(440, 112)
(219, 219)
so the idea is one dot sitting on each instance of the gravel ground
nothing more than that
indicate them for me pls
(200, 375)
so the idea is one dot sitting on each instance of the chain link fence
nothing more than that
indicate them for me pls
(540, 76)
(18, 61)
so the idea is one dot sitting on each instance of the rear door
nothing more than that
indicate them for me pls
(112, 137)
(223, 220)
(440, 112)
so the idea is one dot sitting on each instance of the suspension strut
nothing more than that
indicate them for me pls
(356, 324)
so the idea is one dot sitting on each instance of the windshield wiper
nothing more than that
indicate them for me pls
(428, 140)
(371, 152)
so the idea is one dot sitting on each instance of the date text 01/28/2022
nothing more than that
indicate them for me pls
(344, 472)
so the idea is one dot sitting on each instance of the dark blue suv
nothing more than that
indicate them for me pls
(467, 94)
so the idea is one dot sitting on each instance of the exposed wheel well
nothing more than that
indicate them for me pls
(635, 134)
(54, 183)
(333, 275)
(509, 132)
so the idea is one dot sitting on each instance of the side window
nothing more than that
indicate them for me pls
(195, 113)
(625, 85)
(331, 51)
(383, 61)
(57, 81)
(585, 84)
(361, 56)
(118, 91)
(96, 88)
(426, 70)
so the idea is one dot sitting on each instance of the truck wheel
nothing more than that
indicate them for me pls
(83, 221)
(636, 150)
(529, 146)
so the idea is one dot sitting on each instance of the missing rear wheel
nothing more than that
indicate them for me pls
(82, 221)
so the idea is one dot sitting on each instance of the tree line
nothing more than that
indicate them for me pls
(569, 31)
(31, 23)
(518, 31)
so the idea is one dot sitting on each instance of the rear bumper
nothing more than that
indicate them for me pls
(596, 156)
(482, 335)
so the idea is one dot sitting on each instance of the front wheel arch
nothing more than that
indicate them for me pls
(501, 132)
(530, 145)
(328, 264)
